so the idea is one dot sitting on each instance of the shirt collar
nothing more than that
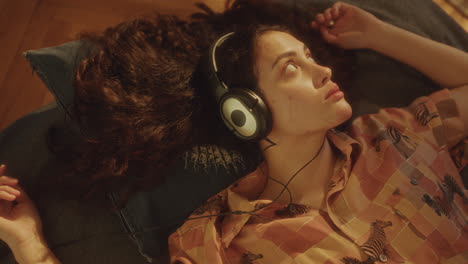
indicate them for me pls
(242, 195)
(347, 145)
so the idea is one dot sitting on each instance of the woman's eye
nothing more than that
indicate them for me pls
(291, 68)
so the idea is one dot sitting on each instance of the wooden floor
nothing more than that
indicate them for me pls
(33, 24)
(457, 15)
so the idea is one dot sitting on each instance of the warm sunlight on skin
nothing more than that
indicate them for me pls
(300, 93)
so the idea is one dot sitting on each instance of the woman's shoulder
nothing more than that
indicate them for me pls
(434, 116)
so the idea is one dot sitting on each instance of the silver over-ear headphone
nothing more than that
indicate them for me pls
(242, 110)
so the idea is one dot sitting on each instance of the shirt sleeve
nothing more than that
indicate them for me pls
(440, 113)
(198, 245)
(198, 240)
(177, 251)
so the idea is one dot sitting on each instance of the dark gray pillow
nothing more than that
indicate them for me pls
(56, 67)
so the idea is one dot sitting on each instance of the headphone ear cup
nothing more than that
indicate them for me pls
(245, 113)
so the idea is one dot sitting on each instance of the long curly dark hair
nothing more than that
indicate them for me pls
(141, 104)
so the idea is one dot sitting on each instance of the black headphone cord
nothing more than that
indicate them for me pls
(272, 144)
(294, 175)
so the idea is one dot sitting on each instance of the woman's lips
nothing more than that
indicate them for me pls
(335, 93)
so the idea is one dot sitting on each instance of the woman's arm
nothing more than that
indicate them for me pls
(355, 28)
(35, 252)
(444, 64)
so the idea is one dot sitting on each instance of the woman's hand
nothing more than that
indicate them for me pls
(347, 26)
(20, 224)
(19, 219)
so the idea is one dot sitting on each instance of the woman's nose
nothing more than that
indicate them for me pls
(323, 76)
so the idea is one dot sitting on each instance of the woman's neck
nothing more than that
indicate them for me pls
(287, 157)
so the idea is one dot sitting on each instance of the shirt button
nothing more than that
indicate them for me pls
(414, 181)
(383, 257)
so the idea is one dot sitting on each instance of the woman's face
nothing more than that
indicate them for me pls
(300, 93)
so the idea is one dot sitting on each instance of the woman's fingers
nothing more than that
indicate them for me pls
(328, 15)
(335, 10)
(313, 24)
(326, 34)
(8, 180)
(7, 196)
(10, 190)
(2, 169)
(320, 18)
(9, 193)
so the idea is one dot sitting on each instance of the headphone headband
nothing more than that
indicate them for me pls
(220, 88)
(213, 51)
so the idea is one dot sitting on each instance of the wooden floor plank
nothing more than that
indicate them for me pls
(451, 11)
(14, 19)
(126, 7)
(25, 90)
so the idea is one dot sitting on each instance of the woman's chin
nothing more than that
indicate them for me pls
(344, 111)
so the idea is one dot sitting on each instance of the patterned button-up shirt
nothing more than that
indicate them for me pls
(396, 196)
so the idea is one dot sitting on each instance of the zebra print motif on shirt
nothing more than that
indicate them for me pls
(249, 257)
(349, 260)
(458, 152)
(374, 247)
(403, 143)
(214, 205)
(423, 116)
(293, 209)
(444, 205)
(453, 187)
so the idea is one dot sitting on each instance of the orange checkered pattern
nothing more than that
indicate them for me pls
(396, 197)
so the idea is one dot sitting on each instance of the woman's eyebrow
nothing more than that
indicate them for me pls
(287, 54)
(284, 55)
